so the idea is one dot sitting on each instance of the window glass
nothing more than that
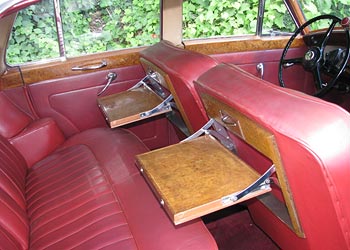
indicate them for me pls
(91, 26)
(34, 35)
(313, 8)
(277, 19)
(207, 18)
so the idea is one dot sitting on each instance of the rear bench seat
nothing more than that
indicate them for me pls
(84, 192)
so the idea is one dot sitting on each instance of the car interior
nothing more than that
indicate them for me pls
(179, 145)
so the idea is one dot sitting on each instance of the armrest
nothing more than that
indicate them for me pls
(37, 140)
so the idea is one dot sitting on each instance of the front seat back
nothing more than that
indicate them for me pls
(308, 141)
(179, 68)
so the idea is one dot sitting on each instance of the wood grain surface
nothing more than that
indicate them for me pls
(125, 107)
(192, 177)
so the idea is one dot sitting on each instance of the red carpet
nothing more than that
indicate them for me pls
(233, 229)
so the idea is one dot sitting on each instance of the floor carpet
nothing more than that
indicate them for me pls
(233, 229)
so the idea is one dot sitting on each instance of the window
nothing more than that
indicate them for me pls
(206, 18)
(277, 19)
(102, 25)
(34, 35)
(88, 26)
(339, 8)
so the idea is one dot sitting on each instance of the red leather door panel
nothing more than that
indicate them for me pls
(297, 77)
(71, 101)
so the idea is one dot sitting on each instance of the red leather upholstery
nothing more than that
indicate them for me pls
(34, 139)
(183, 67)
(12, 119)
(87, 194)
(59, 98)
(14, 225)
(37, 140)
(313, 140)
(73, 205)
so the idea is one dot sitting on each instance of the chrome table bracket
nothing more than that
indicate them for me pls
(151, 82)
(262, 183)
(165, 105)
(218, 131)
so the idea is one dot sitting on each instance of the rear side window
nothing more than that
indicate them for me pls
(87, 26)
(95, 26)
(34, 35)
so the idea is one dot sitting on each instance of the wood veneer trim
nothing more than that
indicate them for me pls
(41, 71)
(219, 46)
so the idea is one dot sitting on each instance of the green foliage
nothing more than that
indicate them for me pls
(339, 8)
(100, 25)
(207, 18)
(35, 35)
(276, 17)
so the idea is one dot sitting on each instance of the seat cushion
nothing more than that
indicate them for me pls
(151, 227)
(89, 194)
(114, 150)
(71, 202)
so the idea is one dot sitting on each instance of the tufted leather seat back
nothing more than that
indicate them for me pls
(14, 225)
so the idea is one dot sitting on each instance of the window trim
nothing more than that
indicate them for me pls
(59, 28)
(260, 18)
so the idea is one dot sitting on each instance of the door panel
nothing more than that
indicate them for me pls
(297, 77)
(71, 101)
(70, 97)
(248, 53)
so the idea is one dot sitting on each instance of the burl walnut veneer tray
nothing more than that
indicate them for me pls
(193, 178)
(128, 106)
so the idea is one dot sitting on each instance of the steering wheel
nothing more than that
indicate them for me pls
(314, 58)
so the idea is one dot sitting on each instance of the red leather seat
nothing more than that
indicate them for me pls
(87, 193)
(313, 140)
(182, 67)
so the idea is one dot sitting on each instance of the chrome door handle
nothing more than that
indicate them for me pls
(110, 78)
(92, 67)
